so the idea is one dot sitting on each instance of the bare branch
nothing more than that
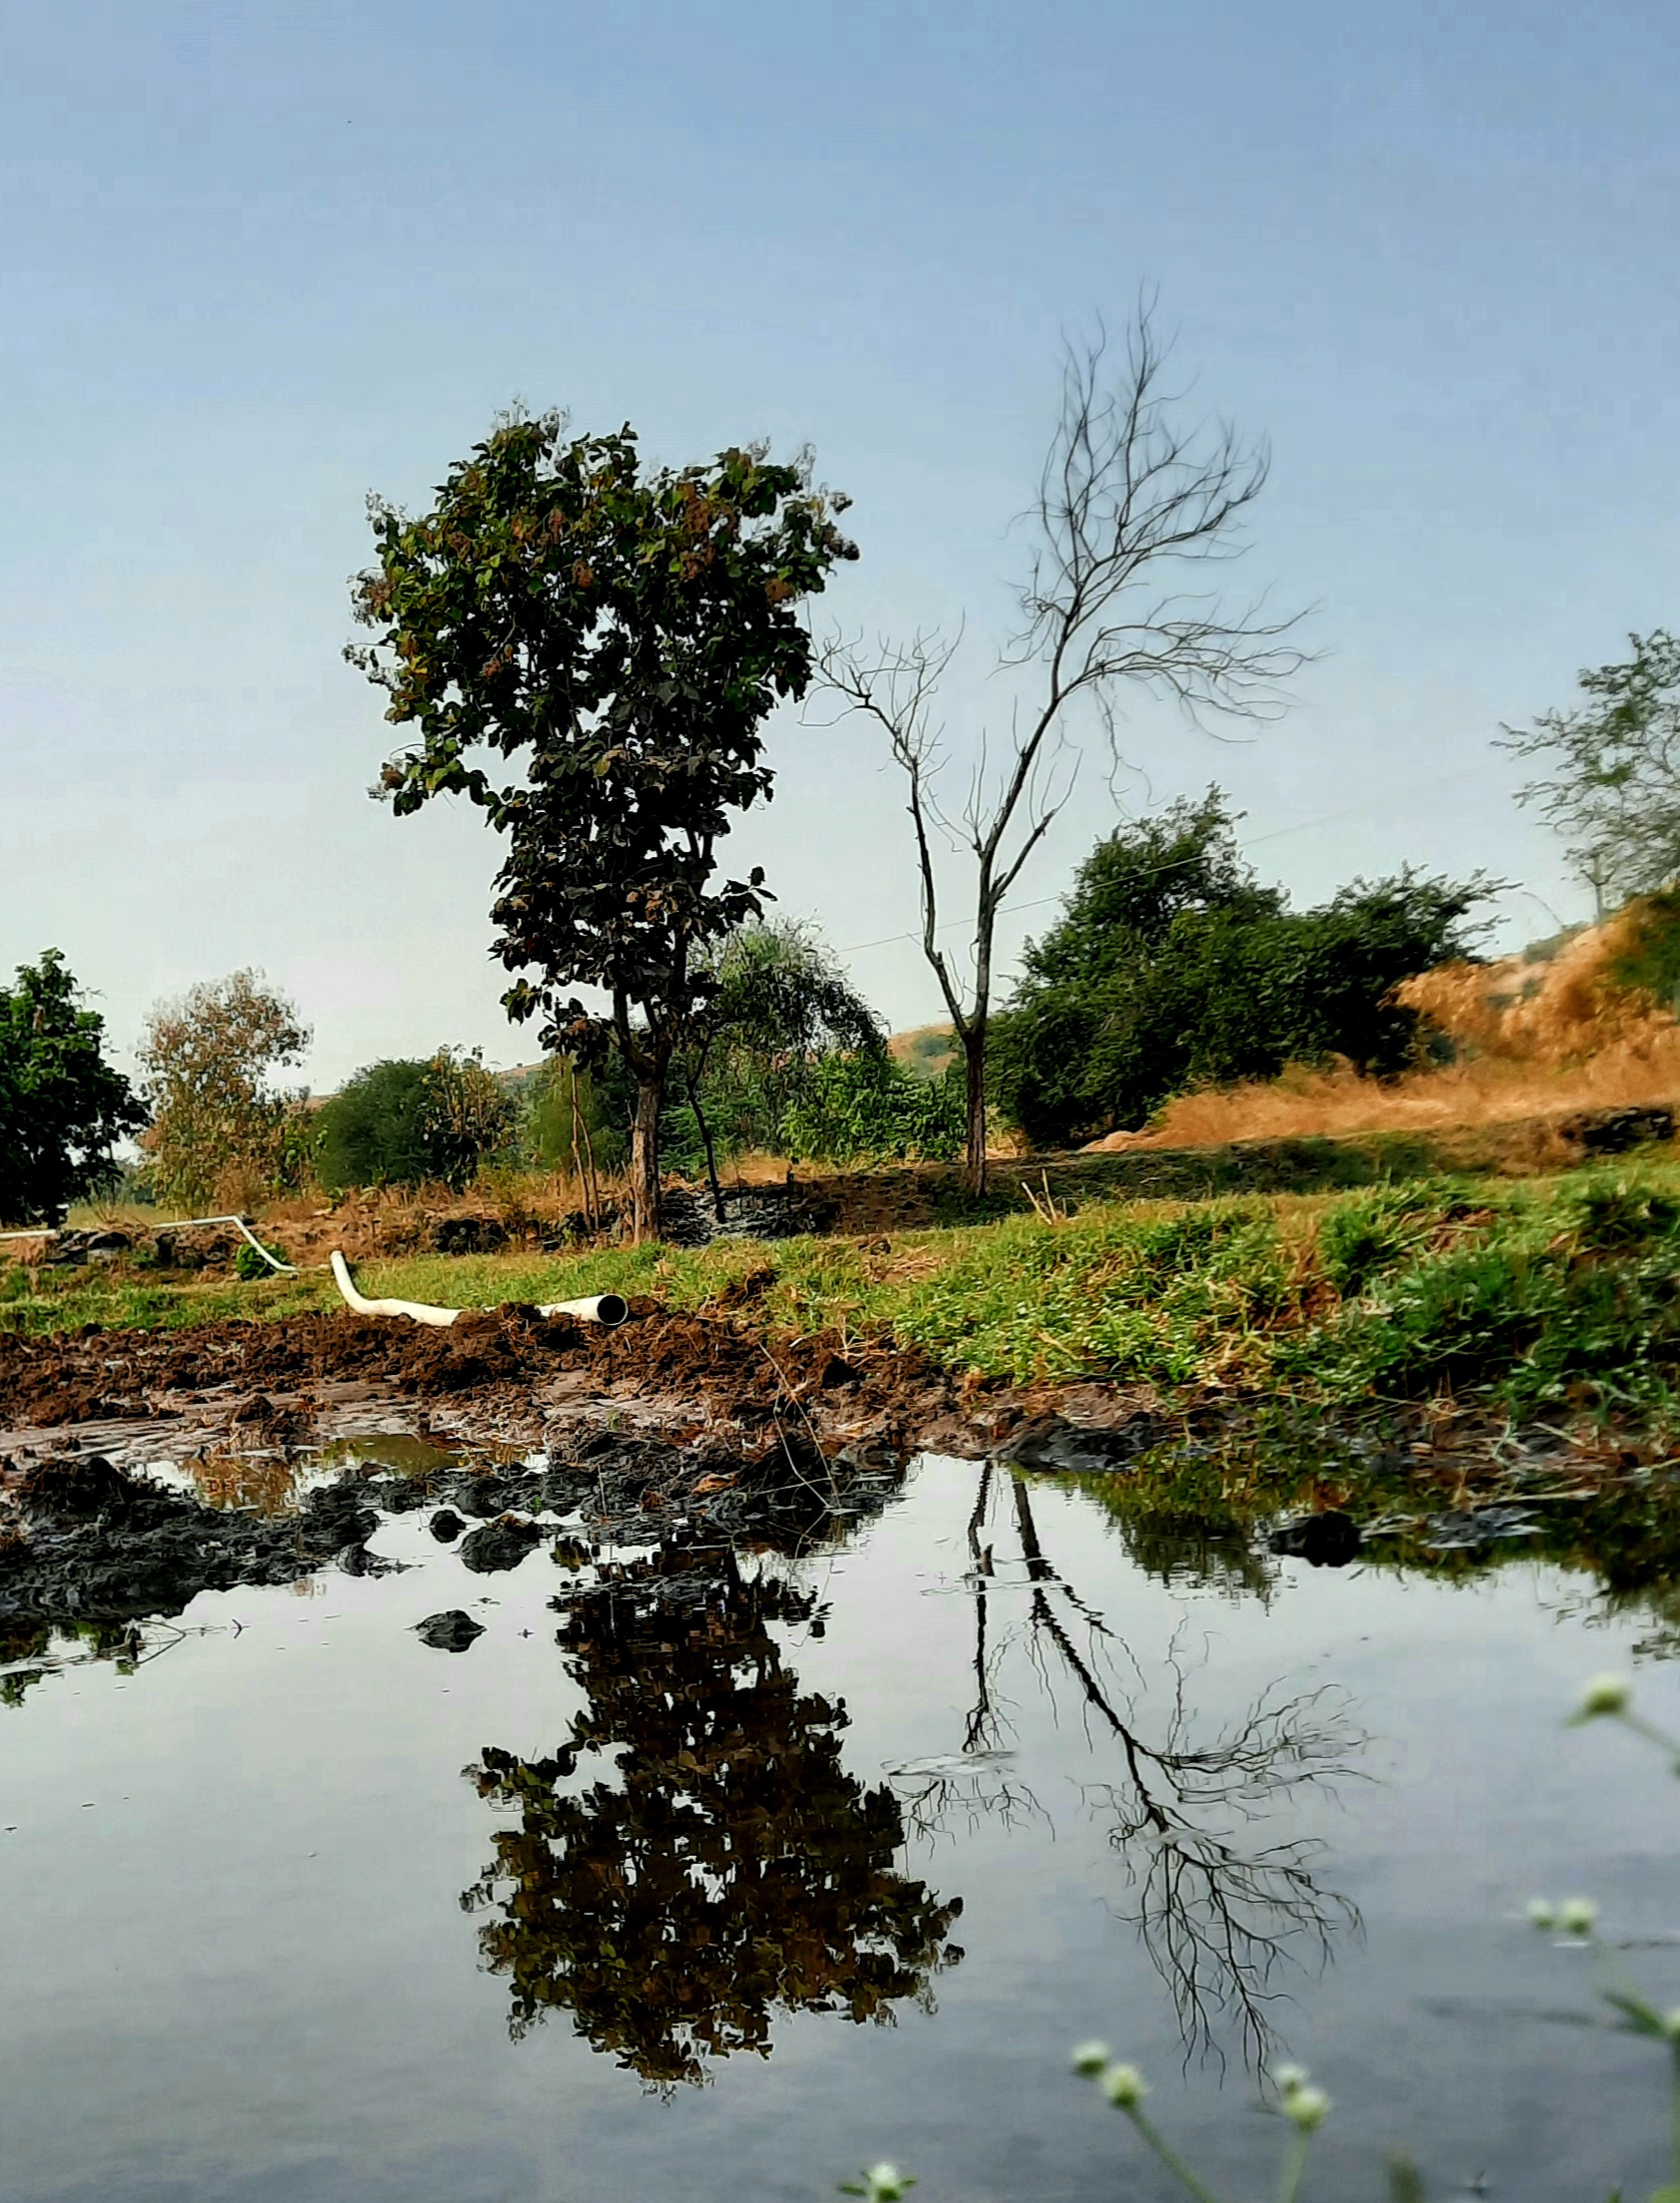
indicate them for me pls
(1132, 514)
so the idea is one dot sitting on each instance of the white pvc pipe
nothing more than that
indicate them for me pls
(605, 1308)
(186, 1223)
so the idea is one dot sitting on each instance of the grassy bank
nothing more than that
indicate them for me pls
(1535, 1294)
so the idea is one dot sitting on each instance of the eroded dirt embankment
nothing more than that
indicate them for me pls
(501, 1374)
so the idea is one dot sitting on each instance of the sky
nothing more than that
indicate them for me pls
(257, 263)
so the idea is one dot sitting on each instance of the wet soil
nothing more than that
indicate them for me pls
(501, 1374)
(84, 1539)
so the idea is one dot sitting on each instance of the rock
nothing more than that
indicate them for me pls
(500, 1546)
(450, 1633)
(446, 1525)
(1329, 1539)
(1615, 1132)
(468, 1234)
(357, 1561)
(333, 1518)
(1054, 1443)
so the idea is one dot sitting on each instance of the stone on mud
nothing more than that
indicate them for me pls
(453, 1631)
(498, 1546)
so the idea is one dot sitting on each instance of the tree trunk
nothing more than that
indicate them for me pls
(974, 1058)
(645, 1153)
(710, 1148)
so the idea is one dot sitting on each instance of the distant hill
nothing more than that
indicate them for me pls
(926, 1049)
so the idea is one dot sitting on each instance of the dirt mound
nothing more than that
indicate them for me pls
(507, 1356)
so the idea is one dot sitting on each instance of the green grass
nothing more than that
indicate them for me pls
(1561, 1292)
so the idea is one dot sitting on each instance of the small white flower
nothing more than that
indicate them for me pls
(1577, 1914)
(1124, 2086)
(886, 2184)
(1289, 2078)
(1604, 1694)
(1542, 1914)
(1091, 2057)
(1307, 2107)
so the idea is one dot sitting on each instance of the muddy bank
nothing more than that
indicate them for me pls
(503, 1374)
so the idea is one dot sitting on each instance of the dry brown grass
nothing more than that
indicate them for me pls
(1534, 1040)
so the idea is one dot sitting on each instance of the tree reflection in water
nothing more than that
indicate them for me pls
(1222, 1908)
(722, 1865)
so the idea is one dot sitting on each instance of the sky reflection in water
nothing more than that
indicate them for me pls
(1207, 1804)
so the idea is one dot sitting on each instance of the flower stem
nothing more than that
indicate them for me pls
(1294, 2166)
(1169, 2157)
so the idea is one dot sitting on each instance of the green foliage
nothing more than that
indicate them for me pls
(1161, 1297)
(865, 1107)
(1363, 1238)
(572, 1116)
(248, 1265)
(589, 651)
(1543, 1298)
(470, 1117)
(1612, 784)
(1171, 968)
(62, 1105)
(372, 1130)
(413, 1122)
(1649, 961)
(783, 1003)
(221, 1134)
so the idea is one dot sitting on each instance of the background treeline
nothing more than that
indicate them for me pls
(1170, 968)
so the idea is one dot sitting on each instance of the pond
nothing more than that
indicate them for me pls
(720, 1874)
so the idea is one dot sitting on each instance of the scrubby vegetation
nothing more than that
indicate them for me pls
(1557, 1296)
(1172, 968)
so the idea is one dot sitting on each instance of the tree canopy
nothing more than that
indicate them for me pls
(1172, 967)
(63, 1107)
(587, 649)
(1611, 787)
(220, 1130)
(408, 1120)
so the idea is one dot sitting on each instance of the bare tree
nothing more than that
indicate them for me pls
(1128, 508)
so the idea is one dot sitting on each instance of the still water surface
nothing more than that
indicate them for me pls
(770, 1868)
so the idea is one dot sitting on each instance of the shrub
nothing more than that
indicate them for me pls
(866, 1108)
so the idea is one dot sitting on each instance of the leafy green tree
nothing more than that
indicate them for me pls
(729, 1869)
(220, 1130)
(1613, 783)
(587, 649)
(866, 1108)
(63, 1107)
(372, 1132)
(1171, 967)
(579, 1119)
(781, 1005)
(414, 1120)
(470, 1117)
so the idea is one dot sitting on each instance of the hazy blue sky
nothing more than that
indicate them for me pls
(258, 260)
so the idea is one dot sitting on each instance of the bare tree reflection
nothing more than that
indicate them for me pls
(723, 1865)
(1220, 1909)
(1223, 1910)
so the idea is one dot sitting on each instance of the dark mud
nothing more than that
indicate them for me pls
(85, 1541)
